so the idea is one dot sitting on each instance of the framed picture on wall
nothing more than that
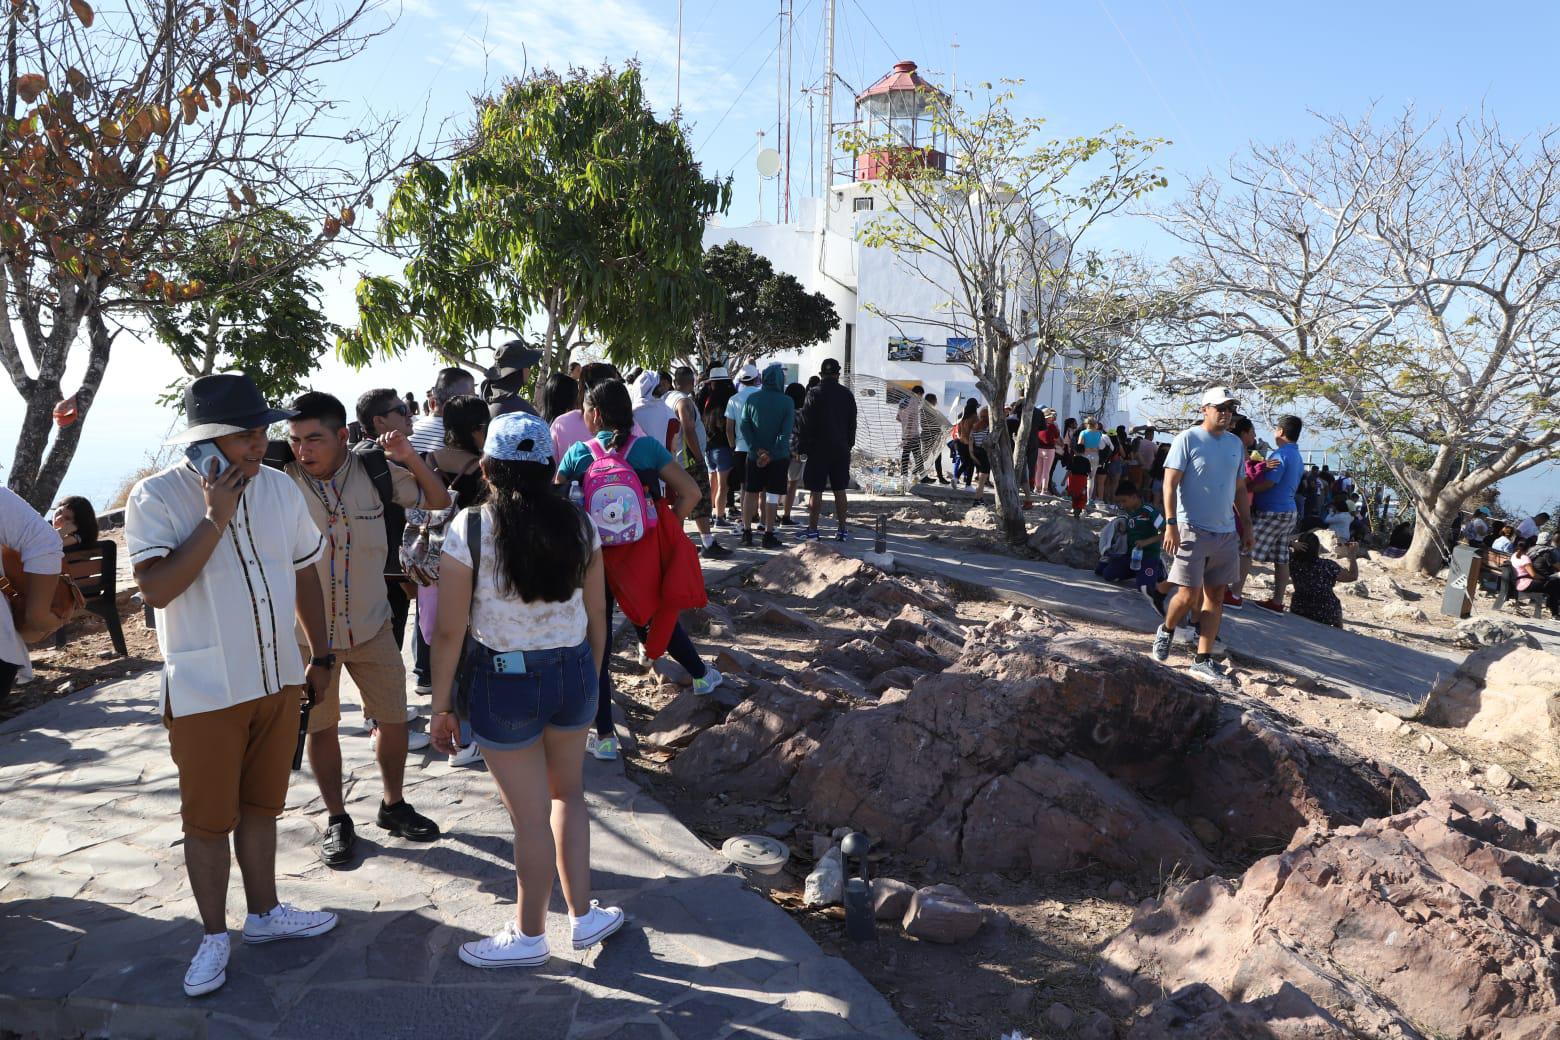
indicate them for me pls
(903, 348)
(960, 351)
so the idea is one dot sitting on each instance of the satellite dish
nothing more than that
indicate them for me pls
(768, 163)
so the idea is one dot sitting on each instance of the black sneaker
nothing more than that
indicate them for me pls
(785, 521)
(336, 848)
(715, 551)
(928, 480)
(747, 538)
(770, 541)
(403, 821)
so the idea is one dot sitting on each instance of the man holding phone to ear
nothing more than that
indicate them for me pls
(225, 555)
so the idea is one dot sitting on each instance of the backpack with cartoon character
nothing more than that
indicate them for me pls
(614, 496)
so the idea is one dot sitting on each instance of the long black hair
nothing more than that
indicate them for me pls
(541, 541)
(615, 409)
(561, 395)
(464, 415)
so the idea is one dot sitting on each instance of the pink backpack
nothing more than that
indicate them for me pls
(614, 496)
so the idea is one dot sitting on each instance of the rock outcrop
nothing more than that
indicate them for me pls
(1065, 539)
(1440, 921)
(1508, 695)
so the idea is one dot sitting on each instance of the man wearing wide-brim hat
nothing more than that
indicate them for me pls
(511, 368)
(226, 559)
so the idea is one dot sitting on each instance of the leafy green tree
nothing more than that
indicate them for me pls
(259, 310)
(760, 310)
(1002, 240)
(571, 202)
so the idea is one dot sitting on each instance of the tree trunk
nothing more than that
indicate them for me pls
(35, 477)
(31, 441)
(1010, 511)
(1427, 553)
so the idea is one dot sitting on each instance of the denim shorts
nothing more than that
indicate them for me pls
(720, 459)
(509, 710)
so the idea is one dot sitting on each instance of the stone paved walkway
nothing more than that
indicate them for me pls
(1393, 676)
(96, 924)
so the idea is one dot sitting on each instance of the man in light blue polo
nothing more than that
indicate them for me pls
(1273, 506)
(1203, 474)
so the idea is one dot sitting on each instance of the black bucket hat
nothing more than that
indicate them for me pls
(215, 406)
(513, 358)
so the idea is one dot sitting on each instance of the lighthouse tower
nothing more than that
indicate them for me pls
(901, 108)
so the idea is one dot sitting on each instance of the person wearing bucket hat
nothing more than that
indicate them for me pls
(511, 368)
(536, 608)
(225, 558)
(747, 386)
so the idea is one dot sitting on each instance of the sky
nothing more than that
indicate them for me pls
(1211, 76)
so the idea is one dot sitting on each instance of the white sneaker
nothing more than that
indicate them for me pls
(423, 689)
(416, 740)
(469, 755)
(208, 969)
(596, 925)
(412, 714)
(287, 922)
(507, 949)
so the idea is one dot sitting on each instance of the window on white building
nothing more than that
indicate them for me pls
(861, 204)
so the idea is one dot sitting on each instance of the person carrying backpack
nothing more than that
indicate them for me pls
(524, 572)
(626, 481)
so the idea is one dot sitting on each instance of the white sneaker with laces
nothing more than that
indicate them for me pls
(287, 922)
(507, 949)
(469, 755)
(208, 969)
(416, 740)
(413, 713)
(596, 925)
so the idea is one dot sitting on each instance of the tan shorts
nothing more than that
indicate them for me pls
(1205, 558)
(234, 761)
(379, 674)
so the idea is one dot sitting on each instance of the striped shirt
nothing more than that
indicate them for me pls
(428, 434)
(228, 638)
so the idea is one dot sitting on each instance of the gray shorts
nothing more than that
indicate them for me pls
(1205, 558)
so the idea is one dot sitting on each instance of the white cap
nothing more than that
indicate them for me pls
(749, 373)
(1217, 395)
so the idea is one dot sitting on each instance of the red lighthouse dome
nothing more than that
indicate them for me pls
(901, 108)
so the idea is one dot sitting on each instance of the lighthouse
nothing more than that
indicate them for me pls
(899, 114)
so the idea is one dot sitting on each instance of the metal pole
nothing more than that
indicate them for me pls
(880, 543)
(677, 94)
(779, 98)
(826, 169)
(790, 43)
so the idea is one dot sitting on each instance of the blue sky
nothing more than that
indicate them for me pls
(1210, 76)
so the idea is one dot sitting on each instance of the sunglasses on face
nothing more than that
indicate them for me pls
(400, 409)
(1227, 408)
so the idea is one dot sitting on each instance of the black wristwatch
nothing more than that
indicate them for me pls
(323, 661)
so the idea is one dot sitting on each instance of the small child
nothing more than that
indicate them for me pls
(1078, 471)
(1145, 531)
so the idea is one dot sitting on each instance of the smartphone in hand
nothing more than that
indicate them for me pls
(200, 455)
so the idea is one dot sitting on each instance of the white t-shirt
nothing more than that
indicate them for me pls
(38, 544)
(428, 433)
(1527, 529)
(653, 417)
(674, 402)
(505, 623)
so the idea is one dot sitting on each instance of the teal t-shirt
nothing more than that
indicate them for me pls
(1144, 522)
(646, 456)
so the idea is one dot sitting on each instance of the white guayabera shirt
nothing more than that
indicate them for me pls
(228, 638)
(38, 544)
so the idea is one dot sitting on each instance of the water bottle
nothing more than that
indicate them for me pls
(1137, 558)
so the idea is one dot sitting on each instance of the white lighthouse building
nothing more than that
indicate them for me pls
(820, 248)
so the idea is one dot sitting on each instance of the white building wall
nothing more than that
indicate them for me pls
(853, 275)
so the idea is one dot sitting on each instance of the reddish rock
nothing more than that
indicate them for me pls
(827, 680)
(1198, 1012)
(895, 679)
(890, 898)
(755, 752)
(776, 616)
(684, 718)
(1050, 815)
(730, 660)
(921, 626)
(942, 914)
(1507, 695)
(1262, 776)
(1440, 921)
(815, 571)
(671, 671)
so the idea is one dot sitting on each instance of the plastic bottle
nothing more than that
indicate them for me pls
(1137, 558)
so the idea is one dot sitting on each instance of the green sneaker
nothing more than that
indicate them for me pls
(605, 748)
(707, 683)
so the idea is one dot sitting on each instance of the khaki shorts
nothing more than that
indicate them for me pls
(1205, 558)
(234, 761)
(379, 674)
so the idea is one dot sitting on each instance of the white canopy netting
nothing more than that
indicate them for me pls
(885, 459)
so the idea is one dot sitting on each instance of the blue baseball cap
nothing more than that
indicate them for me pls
(519, 437)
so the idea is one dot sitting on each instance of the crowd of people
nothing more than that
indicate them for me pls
(502, 535)
(1532, 560)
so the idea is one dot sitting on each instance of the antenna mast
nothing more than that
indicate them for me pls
(790, 41)
(677, 93)
(826, 167)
